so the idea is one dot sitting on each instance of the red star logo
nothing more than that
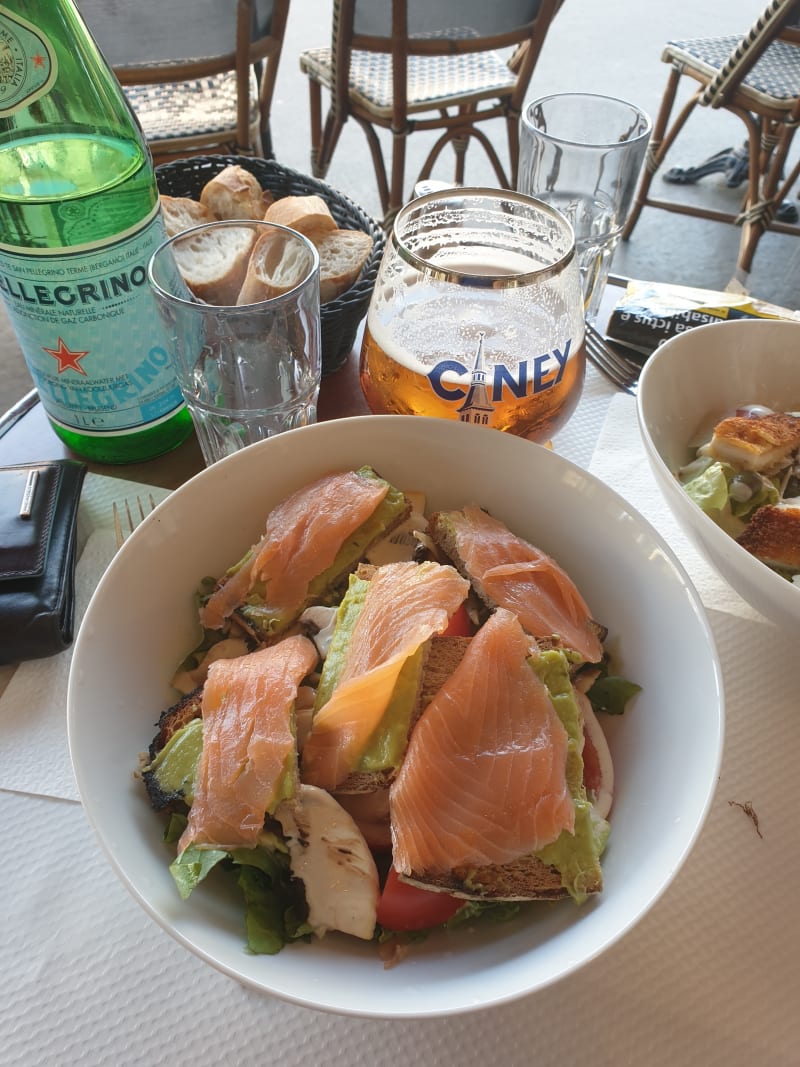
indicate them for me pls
(67, 359)
(38, 60)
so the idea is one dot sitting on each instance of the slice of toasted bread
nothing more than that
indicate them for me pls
(761, 444)
(526, 878)
(234, 193)
(342, 255)
(277, 264)
(309, 215)
(773, 536)
(174, 717)
(443, 535)
(180, 213)
(214, 262)
(441, 656)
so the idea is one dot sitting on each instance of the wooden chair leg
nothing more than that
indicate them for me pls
(327, 145)
(512, 129)
(659, 144)
(460, 146)
(768, 149)
(398, 170)
(315, 114)
(753, 217)
(486, 144)
(378, 163)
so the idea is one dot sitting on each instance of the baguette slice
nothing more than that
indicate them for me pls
(234, 193)
(180, 213)
(277, 264)
(342, 255)
(214, 262)
(308, 215)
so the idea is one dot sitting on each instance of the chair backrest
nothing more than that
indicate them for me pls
(375, 18)
(151, 42)
(137, 36)
(780, 20)
(438, 27)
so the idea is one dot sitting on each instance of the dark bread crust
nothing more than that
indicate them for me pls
(773, 536)
(526, 878)
(173, 718)
(442, 656)
(764, 444)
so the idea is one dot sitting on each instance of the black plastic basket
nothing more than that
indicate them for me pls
(340, 317)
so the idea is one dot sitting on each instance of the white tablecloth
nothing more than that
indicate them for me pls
(709, 977)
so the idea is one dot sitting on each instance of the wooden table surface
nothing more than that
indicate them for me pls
(30, 439)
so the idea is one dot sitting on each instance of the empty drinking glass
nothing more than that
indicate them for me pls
(582, 154)
(247, 370)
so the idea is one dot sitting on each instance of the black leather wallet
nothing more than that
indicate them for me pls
(38, 511)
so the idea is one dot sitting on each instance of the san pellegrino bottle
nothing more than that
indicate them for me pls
(79, 218)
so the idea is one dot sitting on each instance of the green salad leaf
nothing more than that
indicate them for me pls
(709, 489)
(192, 866)
(611, 693)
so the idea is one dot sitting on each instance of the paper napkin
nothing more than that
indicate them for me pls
(34, 751)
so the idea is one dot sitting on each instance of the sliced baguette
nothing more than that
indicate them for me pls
(342, 255)
(308, 215)
(180, 213)
(277, 264)
(214, 262)
(234, 193)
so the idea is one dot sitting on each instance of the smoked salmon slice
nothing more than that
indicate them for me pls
(484, 777)
(405, 604)
(513, 574)
(249, 755)
(302, 538)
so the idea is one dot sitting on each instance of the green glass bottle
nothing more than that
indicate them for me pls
(79, 219)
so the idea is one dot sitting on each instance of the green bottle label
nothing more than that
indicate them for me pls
(28, 64)
(91, 333)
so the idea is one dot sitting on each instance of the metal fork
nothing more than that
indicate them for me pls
(127, 517)
(623, 372)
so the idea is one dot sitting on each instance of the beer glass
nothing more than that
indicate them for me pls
(582, 153)
(477, 314)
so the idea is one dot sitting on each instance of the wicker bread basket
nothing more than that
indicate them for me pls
(340, 317)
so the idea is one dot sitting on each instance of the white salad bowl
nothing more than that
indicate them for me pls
(141, 621)
(690, 383)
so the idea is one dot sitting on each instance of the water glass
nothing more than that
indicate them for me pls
(247, 371)
(582, 153)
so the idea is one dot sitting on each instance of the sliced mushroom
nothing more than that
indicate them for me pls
(329, 853)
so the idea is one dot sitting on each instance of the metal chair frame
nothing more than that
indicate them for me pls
(770, 122)
(457, 115)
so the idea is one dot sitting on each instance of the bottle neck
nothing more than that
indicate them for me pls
(60, 79)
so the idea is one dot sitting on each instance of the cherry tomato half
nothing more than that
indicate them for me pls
(592, 775)
(407, 907)
(460, 624)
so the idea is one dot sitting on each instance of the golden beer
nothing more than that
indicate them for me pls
(477, 315)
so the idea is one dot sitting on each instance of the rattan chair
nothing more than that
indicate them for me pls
(200, 74)
(757, 78)
(412, 65)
